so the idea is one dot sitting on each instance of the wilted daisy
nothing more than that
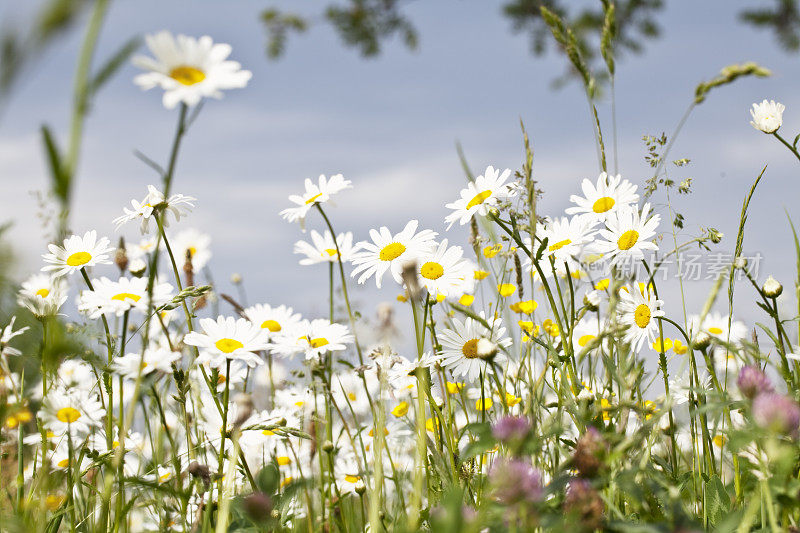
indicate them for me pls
(117, 297)
(486, 191)
(177, 204)
(313, 338)
(194, 243)
(322, 248)
(228, 338)
(460, 346)
(767, 116)
(316, 193)
(627, 235)
(444, 271)
(188, 69)
(153, 360)
(77, 253)
(275, 320)
(75, 410)
(609, 195)
(43, 295)
(390, 252)
(638, 310)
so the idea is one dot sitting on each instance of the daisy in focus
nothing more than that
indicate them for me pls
(566, 239)
(627, 235)
(316, 193)
(275, 320)
(638, 310)
(75, 410)
(228, 338)
(609, 195)
(43, 295)
(77, 253)
(444, 271)
(177, 204)
(188, 69)
(117, 297)
(389, 252)
(322, 248)
(486, 191)
(461, 353)
(767, 116)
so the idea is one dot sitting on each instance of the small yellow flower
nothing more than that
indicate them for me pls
(605, 405)
(402, 297)
(491, 251)
(665, 348)
(551, 328)
(466, 300)
(400, 410)
(512, 400)
(679, 347)
(484, 405)
(506, 289)
(480, 274)
(602, 284)
(454, 388)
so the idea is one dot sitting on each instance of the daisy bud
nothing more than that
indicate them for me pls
(772, 288)
(281, 422)
(137, 267)
(276, 514)
(777, 413)
(592, 300)
(740, 263)
(360, 487)
(120, 256)
(753, 381)
(485, 349)
(767, 116)
(236, 278)
(327, 446)
(701, 341)
(258, 506)
(409, 276)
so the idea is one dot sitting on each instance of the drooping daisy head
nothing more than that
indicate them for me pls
(316, 193)
(275, 321)
(322, 248)
(463, 352)
(767, 116)
(444, 271)
(390, 252)
(488, 190)
(43, 295)
(608, 195)
(77, 253)
(177, 204)
(638, 309)
(627, 235)
(188, 69)
(125, 294)
(228, 338)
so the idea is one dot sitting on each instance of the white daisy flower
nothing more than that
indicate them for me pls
(316, 193)
(486, 191)
(627, 235)
(609, 195)
(188, 69)
(117, 297)
(638, 310)
(322, 248)
(584, 333)
(390, 252)
(444, 270)
(314, 338)
(75, 410)
(158, 360)
(43, 295)
(177, 204)
(194, 242)
(716, 325)
(566, 241)
(8, 333)
(228, 338)
(141, 249)
(460, 351)
(281, 320)
(77, 253)
(237, 375)
(767, 116)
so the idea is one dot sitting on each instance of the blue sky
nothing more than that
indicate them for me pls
(390, 125)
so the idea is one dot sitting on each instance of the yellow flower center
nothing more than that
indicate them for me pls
(352, 396)
(392, 251)
(54, 501)
(319, 342)
(330, 251)
(584, 340)
(603, 204)
(470, 349)
(642, 316)
(126, 296)
(79, 259)
(227, 345)
(351, 479)
(715, 331)
(284, 460)
(313, 198)
(431, 270)
(479, 199)
(163, 477)
(480, 274)
(44, 293)
(559, 245)
(187, 75)
(63, 463)
(68, 415)
(628, 239)
(271, 325)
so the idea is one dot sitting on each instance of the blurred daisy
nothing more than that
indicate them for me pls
(274, 320)
(314, 338)
(43, 295)
(716, 325)
(158, 360)
(188, 69)
(141, 249)
(609, 195)
(444, 271)
(178, 204)
(627, 235)
(322, 248)
(8, 333)
(193, 243)
(316, 193)
(74, 410)
(77, 253)
(767, 116)
(460, 352)
(638, 310)
(390, 252)
(488, 190)
(228, 338)
(117, 297)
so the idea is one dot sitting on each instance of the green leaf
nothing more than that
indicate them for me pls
(718, 502)
(112, 65)
(267, 479)
(60, 180)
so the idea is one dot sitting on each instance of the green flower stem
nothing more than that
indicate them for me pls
(787, 145)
